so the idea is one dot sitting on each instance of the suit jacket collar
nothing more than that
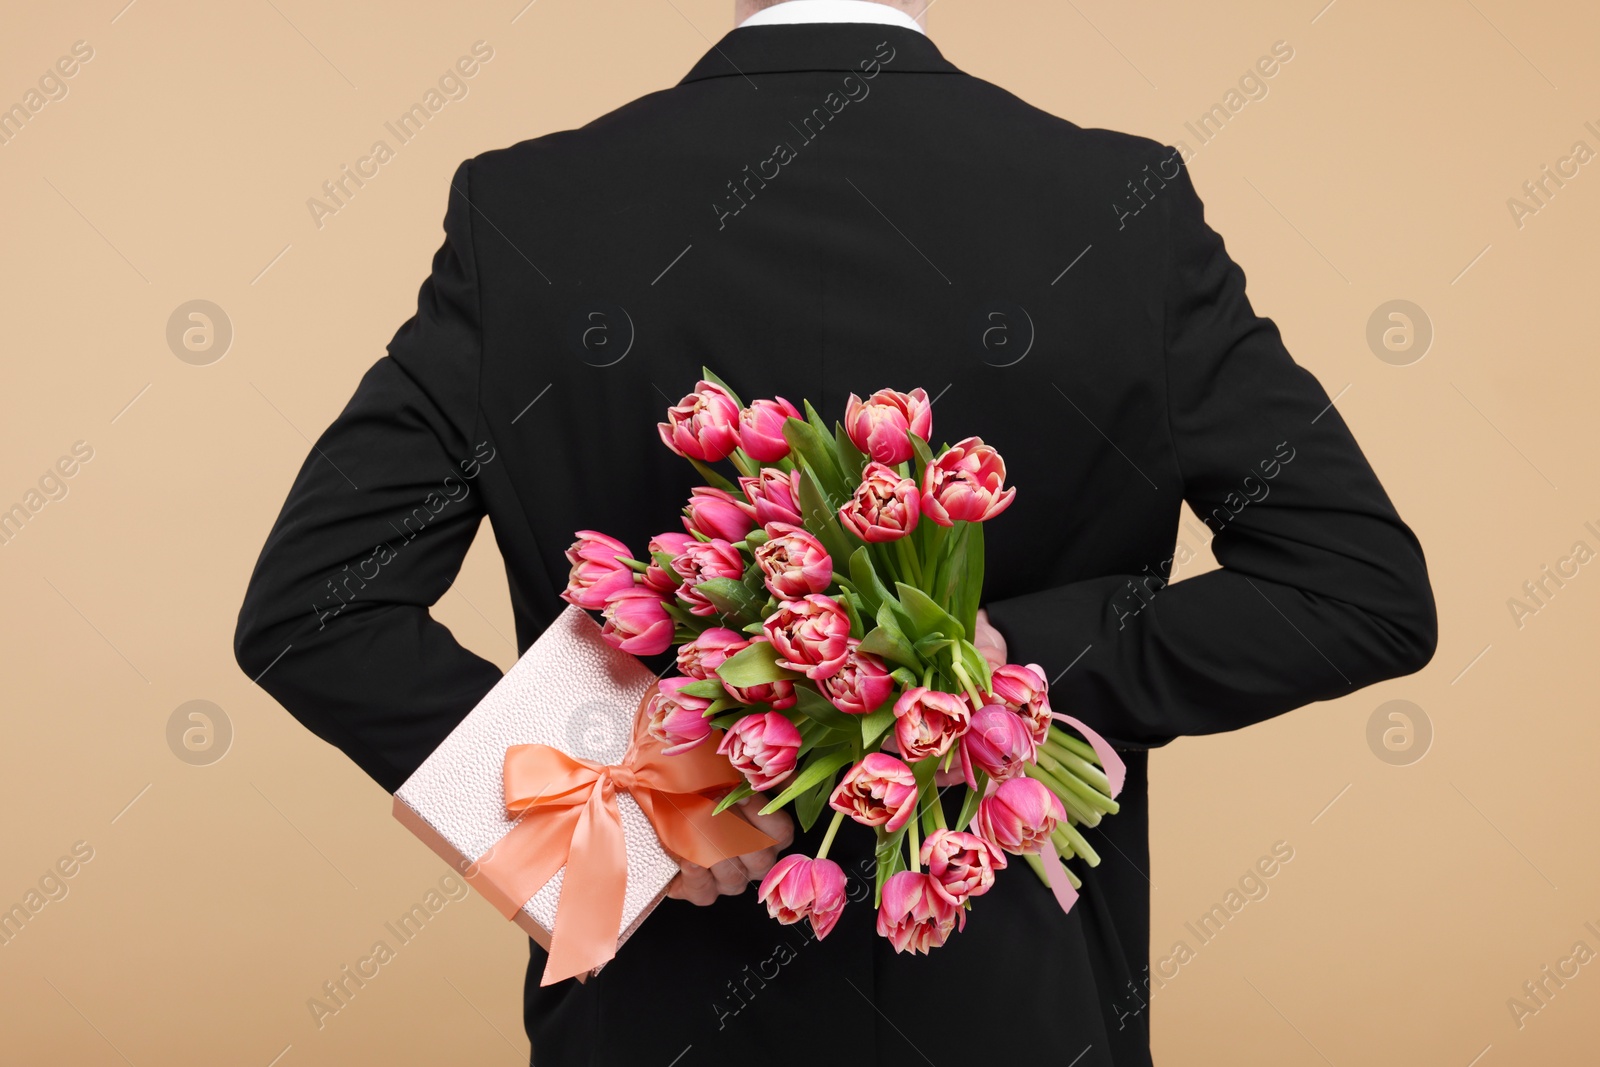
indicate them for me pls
(830, 46)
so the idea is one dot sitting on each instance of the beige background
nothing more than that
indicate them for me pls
(220, 897)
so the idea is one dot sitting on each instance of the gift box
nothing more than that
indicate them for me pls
(555, 754)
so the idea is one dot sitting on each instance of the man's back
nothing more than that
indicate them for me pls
(819, 210)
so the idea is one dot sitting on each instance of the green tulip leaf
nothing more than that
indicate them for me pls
(732, 598)
(755, 664)
(848, 456)
(814, 452)
(865, 576)
(713, 478)
(809, 805)
(736, 794)
(813, 705)
(709, 689)
(875, 725)
(823, 765)
(971, 596)
(820, 519)
(889, 643)
(926, 616)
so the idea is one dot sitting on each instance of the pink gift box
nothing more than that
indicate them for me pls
(571, 691)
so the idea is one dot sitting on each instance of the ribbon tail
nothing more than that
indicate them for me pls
(589, 913)
(688, 830)
(1056, 874)
(1110, 762)
(528, 856)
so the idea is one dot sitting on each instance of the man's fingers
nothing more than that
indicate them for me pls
(701, 885)
(731, 877)
(694, 884)
(757, 864)
(778, 826)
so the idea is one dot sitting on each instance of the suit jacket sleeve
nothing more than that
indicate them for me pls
(1322, 589)
(335, 622)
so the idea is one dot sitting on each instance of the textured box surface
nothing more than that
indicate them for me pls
(574, 692)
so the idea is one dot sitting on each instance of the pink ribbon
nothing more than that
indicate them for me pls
(1056, 874)
(1110, 762)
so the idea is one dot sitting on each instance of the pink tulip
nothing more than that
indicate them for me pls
(884, 506)
(775, 495)
(717, 513)
(778, 695)
(800, 888)
(1024, 691)
(700, 560)
(701, 657)
(965, 482)
(1019, 816)
(703, 425)
(596, 572)
(928, 721)
(637, 623)
(793, 562)
(998, 743)
(811, 635)
(962, 864)
(861, 684)
(915, 916)
(763, 747)
(661, 579)
(878, 791)
(761, 429)
(676, 719)
(878, 425)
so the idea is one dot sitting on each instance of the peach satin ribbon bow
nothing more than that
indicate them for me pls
(569, 818)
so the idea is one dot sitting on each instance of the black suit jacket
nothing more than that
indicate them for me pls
(816, 210)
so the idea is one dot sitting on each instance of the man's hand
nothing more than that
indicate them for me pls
(987, 640)
(702, 885)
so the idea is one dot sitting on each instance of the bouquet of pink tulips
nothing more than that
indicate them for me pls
(824, 610)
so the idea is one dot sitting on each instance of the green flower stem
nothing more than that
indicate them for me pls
(966, 683)
(1077, 883)
(1069, 800)
(746, 466)
(827, 839)
(632, 564)
(936, 557)
(908, 560)
(916, 846)
(1090, 796)
(1079, 845)
(1072, 744)
(969, 803)
(1075, 763)
(927, 805)
(1034, 860)
(713, 478)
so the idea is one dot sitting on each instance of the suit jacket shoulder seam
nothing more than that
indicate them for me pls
(477, 287)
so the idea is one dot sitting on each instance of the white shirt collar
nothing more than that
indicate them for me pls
(795, 11)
